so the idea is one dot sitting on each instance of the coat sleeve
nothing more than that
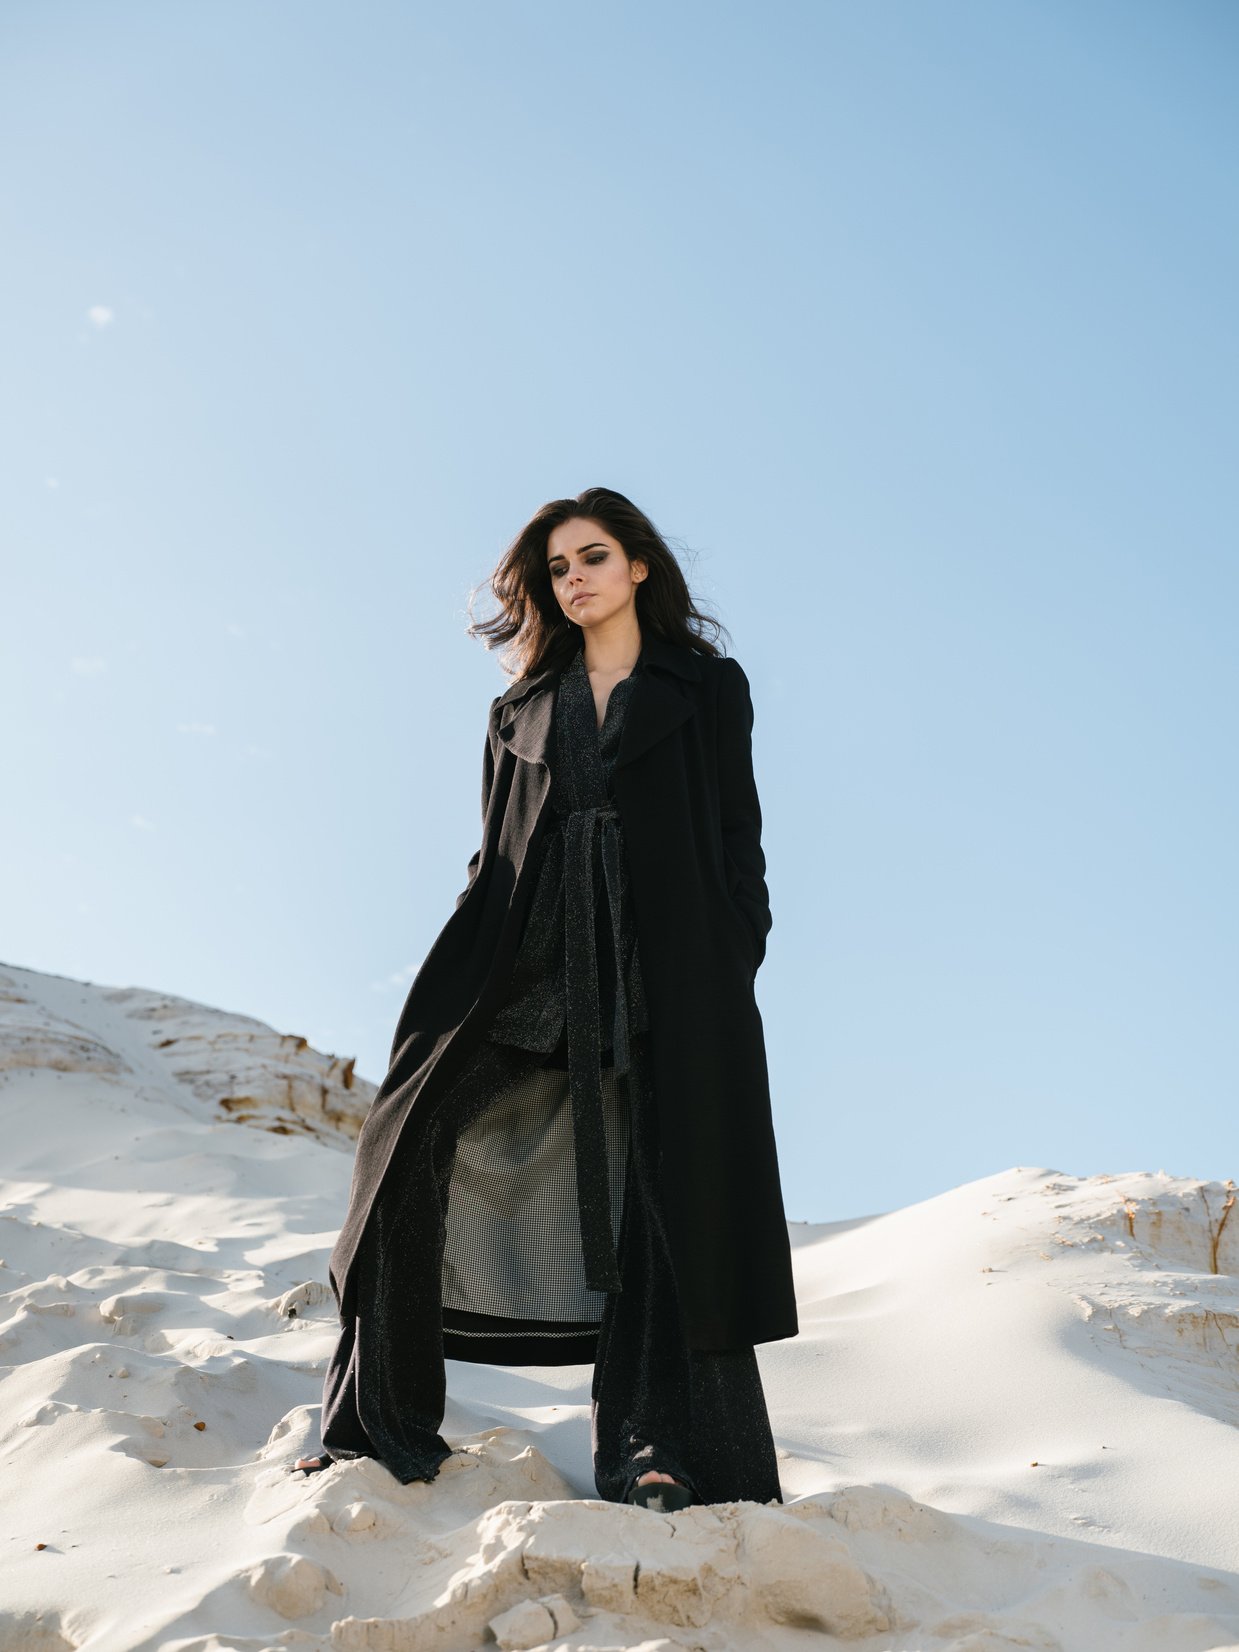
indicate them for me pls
(488, 780)
(740, 811)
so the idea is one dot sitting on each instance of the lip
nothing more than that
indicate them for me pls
(581, 596)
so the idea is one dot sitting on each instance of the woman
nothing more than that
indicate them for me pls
(571, 1157)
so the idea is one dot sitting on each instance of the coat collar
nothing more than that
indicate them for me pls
(658, 704)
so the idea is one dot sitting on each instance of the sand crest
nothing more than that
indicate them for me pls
(1010, 1419)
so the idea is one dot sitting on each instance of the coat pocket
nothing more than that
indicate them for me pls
(732, 877)
(745, 931)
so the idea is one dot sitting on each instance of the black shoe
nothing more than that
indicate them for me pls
(323, 1461)
(663, 1496)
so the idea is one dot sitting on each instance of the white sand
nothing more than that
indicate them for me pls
(1009, 1421)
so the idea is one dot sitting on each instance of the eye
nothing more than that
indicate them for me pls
(592, 558)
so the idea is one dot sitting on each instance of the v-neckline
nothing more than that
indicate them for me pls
(579, 662)
(606, 712)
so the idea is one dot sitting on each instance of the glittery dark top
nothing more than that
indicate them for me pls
(534, 1016)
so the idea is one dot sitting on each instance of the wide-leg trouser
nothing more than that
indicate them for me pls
(699, 1415)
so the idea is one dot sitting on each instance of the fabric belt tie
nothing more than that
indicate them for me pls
(589, 1138)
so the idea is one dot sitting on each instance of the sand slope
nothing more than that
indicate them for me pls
(1010, 1419)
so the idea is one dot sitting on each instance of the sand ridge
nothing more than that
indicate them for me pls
(1009, 1420)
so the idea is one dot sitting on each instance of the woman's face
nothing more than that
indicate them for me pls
(592, 579)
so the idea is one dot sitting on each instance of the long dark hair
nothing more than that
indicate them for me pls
(532, 629)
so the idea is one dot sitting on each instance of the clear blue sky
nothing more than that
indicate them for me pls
(913, 325)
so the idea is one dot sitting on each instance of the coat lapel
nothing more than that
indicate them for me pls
(526, 722)
(660, 703)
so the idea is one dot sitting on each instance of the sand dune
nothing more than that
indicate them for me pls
(1011, 1419)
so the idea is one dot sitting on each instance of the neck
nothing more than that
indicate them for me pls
(614, 645)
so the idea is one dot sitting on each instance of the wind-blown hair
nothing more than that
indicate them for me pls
(532, 629)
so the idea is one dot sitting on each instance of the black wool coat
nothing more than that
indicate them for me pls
(684, 788)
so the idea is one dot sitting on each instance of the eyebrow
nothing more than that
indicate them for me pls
(594, 545)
